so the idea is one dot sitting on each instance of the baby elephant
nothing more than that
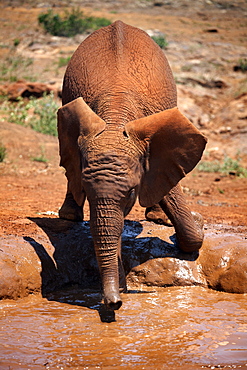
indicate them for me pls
(122, 136)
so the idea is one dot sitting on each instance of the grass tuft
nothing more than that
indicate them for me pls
(70, 23)
(3, 152)
(63, 61)
(42, 157)
(161, 41)
(14, 67)
(38, 114)
(242, 65)
(229, 166)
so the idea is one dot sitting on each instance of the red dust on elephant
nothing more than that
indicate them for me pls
(122, 136)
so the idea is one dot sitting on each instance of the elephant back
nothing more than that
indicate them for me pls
(120, 69)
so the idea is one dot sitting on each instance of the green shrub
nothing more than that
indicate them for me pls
(161, 41)
(45, 110)
(16, 42)
(2, 152)
(228, 166)
(209, 166)
(42, 157)
(243, 64)
(38, 114)
(63, 61)
(71, 23)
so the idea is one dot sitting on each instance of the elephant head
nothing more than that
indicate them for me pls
(111, 165)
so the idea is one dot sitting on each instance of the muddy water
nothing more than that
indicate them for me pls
(169, 328)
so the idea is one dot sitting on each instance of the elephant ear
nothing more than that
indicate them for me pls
(75, 120)
(174, 146)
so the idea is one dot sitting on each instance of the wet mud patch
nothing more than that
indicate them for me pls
(174, 327)
(61, 254)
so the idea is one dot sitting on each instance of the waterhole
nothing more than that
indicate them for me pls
(165, 328)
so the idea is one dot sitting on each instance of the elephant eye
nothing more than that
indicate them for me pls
(130, 200)
(131, 194)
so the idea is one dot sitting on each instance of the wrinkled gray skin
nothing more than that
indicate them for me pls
(121, 136)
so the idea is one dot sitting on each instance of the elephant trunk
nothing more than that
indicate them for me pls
(106, 223)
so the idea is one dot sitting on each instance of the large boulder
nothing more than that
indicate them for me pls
(25, 89)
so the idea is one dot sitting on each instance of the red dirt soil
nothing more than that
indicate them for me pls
(30, 188)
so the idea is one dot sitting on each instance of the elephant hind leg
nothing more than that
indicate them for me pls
(70, 209)
(157, 215)
(188, 225)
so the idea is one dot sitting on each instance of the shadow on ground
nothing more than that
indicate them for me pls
(73, 263)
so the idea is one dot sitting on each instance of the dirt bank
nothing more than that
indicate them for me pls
(205, 42)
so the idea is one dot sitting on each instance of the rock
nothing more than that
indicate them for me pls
(34, 46)
(10, 281)
(189, 107)
(20, 269)
(168, 271)
(241, 66)
(223, 130)
(212, 30)
(210, 83)
(26, 89)
(62, 254)
(234, 278)
(79, 38)
(224, 263)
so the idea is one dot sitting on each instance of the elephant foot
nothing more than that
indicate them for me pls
(198, 219)
(70, 209)
(191, 246)
(193, 241)
(157, 215)
(188, 226)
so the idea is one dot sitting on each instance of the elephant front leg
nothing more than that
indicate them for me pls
(188, 225)
(70, 209)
